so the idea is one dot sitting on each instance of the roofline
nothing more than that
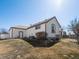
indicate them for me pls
(37, 24)
(58, 22)
(45, 22)
(40, 23)
(17, 28)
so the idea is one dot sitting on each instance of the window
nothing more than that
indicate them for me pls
(37, 27)
(53, 28)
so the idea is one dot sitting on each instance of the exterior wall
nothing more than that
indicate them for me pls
(4, 36)
(49, 28)
(32, 31)
(10, 33)
(15, 32)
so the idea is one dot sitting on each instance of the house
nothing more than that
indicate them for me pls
(4, 35)
(50, 26)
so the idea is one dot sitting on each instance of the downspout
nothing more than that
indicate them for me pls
(0, 35)
(45, 36)
(45, 32)
(12, 33)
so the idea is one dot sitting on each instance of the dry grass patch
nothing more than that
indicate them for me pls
(19, 49)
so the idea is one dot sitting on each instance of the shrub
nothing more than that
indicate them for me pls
(41, 35)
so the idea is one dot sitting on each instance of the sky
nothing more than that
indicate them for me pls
(25, 12)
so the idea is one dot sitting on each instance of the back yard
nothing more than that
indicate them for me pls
(20, 49)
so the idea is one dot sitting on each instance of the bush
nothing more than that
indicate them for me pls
(41, 35)
(32, 37)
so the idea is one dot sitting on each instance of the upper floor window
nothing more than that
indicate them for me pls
(53, 28)
(37, 27)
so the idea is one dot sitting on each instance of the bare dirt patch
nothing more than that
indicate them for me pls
(5, 48)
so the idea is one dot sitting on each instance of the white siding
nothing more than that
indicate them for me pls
(4, 36)
(10, 33)
(16, 32)
(32, 31)
(57, 29)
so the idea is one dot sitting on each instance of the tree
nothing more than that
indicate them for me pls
(74, 26)
(64, 34)
(2, 30)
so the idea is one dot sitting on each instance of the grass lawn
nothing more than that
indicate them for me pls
(20, 49)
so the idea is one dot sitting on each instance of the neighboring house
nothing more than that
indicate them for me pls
(4, 35)
(73, 36)
(50, 26)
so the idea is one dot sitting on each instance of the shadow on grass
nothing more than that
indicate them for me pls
(3, 39)
(41, 43)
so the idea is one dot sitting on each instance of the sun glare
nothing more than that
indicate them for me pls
(58, 3)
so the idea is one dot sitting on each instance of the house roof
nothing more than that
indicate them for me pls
(45, 21)
(19, 27)
(39, 23)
